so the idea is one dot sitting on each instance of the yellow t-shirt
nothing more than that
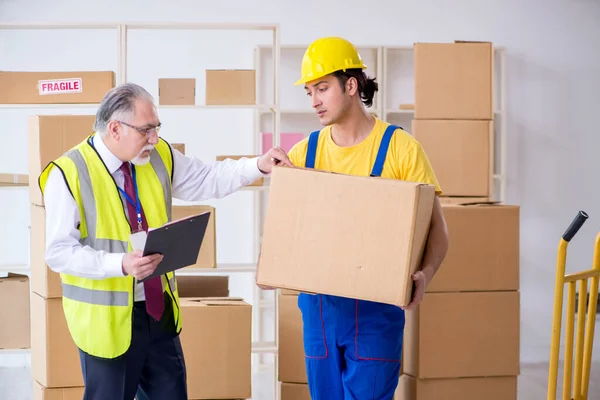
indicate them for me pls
(405, 159)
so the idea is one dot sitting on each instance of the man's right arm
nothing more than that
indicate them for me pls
(64, 252)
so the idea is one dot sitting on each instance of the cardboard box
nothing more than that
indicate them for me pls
(453, 81)
(483, 251)
(176, 91)
(258, 182)
(458, 335)
(292, 366)
(50, 136)
(179, 147)
(43, 393)
(71, 87)
(14, 312)
(459, 152)
(216, 339)
(457, 200)
(54, 356)
(231, 87)
(207, 257)
(10, 180)
(294, 391)
(495, 388)
(203, 286)
(343, 235)
(44, 281)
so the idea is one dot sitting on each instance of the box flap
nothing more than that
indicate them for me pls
(15, 277)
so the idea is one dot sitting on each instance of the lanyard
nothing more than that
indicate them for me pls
(136, 204)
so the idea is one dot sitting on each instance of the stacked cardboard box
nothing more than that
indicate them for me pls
(14, 312)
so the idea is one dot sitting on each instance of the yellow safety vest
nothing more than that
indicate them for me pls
(99, 311)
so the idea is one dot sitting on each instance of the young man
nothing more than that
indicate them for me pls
(340, 363)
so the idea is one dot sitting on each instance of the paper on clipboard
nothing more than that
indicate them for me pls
(138, 240)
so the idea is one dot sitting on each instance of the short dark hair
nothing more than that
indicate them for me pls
(366, 86)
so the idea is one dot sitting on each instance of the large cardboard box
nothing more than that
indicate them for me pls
(457, 335)
(207, 257)
(54, 356)
(490, 388)
(231, 87)
(258, 182)
(294, 391)
(453, 80)
(177, 91)
(343, 235)
(20, 87)
(291, 363)
(14, 312)
(50, 136)
(44, 281)
(43, 393)
(483, 251)
(459, 152)
(216, 339)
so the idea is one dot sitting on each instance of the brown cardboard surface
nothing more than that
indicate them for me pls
(453, 81)
(9, 180)
(258, 182)
(43, 393)
(483, 251)
(17, 87)
(179, 146)
(216, 340)
(44, 281)
(495, 388)
(177, 91)
(54, 356)
(203, 286)
(291, 343)
(456, 200)
(294, 391)
(231, 87)
(50, 136)
(359, 237)
(459, 152)
(14, 312)
(457, 335)
(207, 257)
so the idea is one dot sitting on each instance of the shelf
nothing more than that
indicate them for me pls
(53, 105)
(14, 180)
(393, 112)
(66, 25)
(202, 26)
(14, 351)
(264, 347)
(221, 269)
(301, 111)
(262, 107)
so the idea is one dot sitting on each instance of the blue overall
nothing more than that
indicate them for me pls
(353, 347)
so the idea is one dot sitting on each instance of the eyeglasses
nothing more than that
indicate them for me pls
(143, 131)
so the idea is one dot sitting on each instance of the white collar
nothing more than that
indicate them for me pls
(111, 161)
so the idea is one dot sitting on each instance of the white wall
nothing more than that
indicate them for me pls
(552, 102)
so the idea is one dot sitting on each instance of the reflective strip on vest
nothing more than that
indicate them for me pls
(97, 297)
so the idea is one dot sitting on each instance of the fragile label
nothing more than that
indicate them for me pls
(60, 86)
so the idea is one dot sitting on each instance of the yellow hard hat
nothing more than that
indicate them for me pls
(327, 55)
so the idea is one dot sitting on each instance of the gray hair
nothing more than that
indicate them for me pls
(119, 103)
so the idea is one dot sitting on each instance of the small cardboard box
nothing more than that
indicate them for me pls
(217, 339)
(43, 393)
(453, 80)
(44, 281)
(179, 147)
(483, 251)
(176, 91)
(459, 152)
(258, 182)
(350, 236)
(207, 257)
(50, 136)
(17, 87)
(9, 180)
(292, 366)
(493, 388)
(203, 286)
(14, 312)
(462, 335)
(231, 87)
(294, 391)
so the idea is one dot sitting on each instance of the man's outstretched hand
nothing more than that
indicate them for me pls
(275, 156)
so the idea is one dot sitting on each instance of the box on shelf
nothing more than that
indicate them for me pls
(292, 367)
(15, 325)
(20, 87)
(231, 87)
(203, 286)
(207, 257)
(41, 392)
(50, 136)
(483, 252)
(176, 91)
(179, 147)
(459, 152)
(286, 140)
(294, 391)
(54, 356)
(460, 335)
(44, 281)
(258, 182)
(453, 80)
(463, 200)
(7, 180)
(216, 339)
(488, 388)
(344, 235)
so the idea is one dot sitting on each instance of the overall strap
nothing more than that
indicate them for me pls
(383, 149)
(311, 151)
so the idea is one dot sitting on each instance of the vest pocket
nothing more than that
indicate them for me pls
(315, 342)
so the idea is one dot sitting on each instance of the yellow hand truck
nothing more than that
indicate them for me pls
(574, 388)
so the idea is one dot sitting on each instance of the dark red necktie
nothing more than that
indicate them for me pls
(152, 287)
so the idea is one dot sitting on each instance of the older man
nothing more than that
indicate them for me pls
(118, 181)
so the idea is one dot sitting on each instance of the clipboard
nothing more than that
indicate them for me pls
(178, 241)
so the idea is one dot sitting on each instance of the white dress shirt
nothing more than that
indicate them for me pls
(193, 180)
